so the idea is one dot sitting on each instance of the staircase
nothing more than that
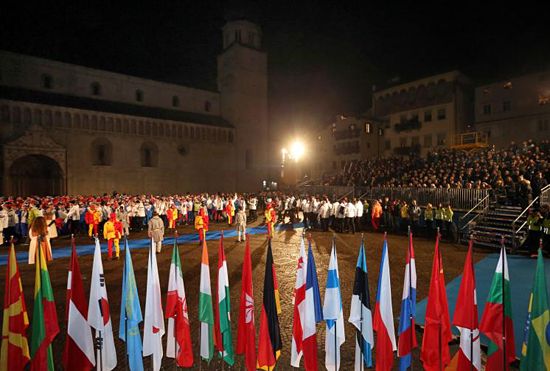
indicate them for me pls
(495, 223)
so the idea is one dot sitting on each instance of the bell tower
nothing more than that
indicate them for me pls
(242, 82)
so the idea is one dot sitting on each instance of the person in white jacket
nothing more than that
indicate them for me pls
(358, 215)
(349, 213)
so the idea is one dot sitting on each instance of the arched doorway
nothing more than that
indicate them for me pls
(36, 175)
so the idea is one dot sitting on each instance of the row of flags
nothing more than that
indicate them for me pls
(90, 340)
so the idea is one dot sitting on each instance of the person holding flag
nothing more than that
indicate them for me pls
(222, 325)
(99, 316)
(246, 333)
(535, 353)
(269, 347)
(465, 318)
(130, 314)
(407, 335)
(333, 314)
(44, 319)
(383, 315)
(296, 350)
(14, 352)
(178, 345)
(153, 327)
(313, 312)
(360, 313)
(496, 322)
(79, 344)
(437, 330)
(206, 313)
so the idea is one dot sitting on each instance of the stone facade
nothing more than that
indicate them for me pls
(96, 131)
(517, 109)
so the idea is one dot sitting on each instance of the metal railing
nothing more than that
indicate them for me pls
(544, 194)
(460, 198)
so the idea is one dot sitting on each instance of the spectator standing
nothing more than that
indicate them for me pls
(241, 224)
(155, 230)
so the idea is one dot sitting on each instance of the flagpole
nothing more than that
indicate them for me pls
(126, 309)
(361, 343)
(440, 345)
(410, 293)
(504, 266)
(473, 309)
(336, 322)
(175, 327)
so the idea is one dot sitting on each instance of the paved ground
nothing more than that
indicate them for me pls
(285, 251)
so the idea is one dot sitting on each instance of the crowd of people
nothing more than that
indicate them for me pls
(517, 173)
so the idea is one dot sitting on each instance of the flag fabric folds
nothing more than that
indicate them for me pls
(437, 328)
(222, 325)
(206, 313)
(536, 350)
(246, 333)
(383, 316)
(44, 318)
(14, 353)
(299, 296)
(153, 327)
(269, 347)
(178, 344)
(498, 311)
(130, 314)
(407, 335)
(466, 319)
(361, 313)
(333, 314)
(313, 313)
(79, 343)
(99, 316)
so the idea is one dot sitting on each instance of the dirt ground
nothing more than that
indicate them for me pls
(285, 252)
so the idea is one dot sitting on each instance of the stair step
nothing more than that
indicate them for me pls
(512, 208)
(494, 229)
(503, 214)
(488, 244)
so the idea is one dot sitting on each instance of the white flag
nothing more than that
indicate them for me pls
(99, 316)
(153, 329)
(333, 314)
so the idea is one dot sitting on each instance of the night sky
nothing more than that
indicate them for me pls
(324, 57)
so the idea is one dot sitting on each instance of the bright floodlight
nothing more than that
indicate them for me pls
(297, 150)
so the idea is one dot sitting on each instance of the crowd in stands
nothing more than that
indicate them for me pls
(517, 173)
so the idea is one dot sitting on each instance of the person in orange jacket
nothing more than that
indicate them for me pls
(112, 231)
(92, 218)
(376, 214)
(230, 211)
(270, 219)
(172, 216)
(201, 224)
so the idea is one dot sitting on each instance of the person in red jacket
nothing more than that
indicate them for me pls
(270, 219)
(201, 224)
(230, 211)
(92, 218)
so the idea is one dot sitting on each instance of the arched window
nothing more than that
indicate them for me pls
(102, 152)
(95, 88)
(149, 154)
(207, 106)
(175, 101)
(47, 81)
(139, 95)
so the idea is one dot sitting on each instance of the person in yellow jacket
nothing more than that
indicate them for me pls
(447, 217)
(92, 218)
(112, 233)
(201, 224)
(534, 224)
(439, 217)
(429, 218)
(172, 215)
(270, 219)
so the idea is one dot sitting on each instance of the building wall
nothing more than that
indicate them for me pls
(28, 72)
(514, 110)
(242, 82)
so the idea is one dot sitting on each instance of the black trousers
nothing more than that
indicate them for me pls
(350, 225)
(324, 224)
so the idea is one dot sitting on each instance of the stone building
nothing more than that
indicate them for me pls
(424, 114)
(77, 130)
(517, 109)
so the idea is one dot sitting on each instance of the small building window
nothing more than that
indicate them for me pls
(102, 152)
(403, 142)
(139, 95)
(441, 139)
(207, 106)
(238, 36)
(441, 114)
(506, 106)
(47, 81)
(428, 116)
(95, 89)
(486, 109)
(428, 140)
(175, 101)
(544, 125)
(149, 154)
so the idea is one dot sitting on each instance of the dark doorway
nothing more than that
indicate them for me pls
(36, 175)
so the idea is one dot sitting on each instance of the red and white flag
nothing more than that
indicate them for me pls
(99, 316)
(79, 343)
(296, 350)
(246, 333)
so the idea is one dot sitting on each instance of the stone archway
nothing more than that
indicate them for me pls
(36, 175)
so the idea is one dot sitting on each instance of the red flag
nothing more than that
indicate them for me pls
(246, 334)
(437, 330)
(79, 346)
(466, 318)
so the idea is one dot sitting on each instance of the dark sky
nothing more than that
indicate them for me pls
(324, 57)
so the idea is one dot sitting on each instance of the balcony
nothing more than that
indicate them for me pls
(346, 134)
(408, 150)
(346, 149)
(411, 124)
